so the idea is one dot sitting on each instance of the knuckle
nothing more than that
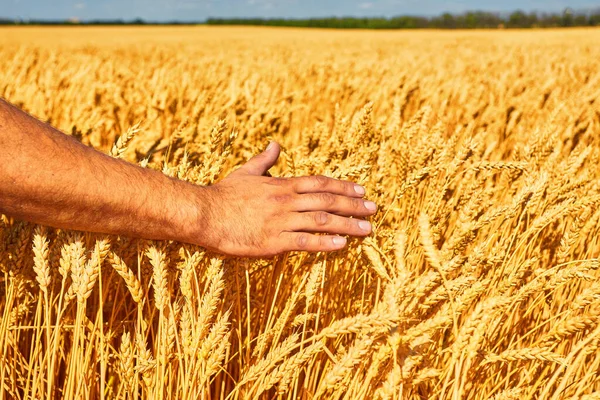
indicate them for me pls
(302, 240)
(282, 198)
(320, 181)
(345, 187)
(327, 198)
(356, 203)
(321, 218)
(279, 181)
(322, 242)
(349, 224)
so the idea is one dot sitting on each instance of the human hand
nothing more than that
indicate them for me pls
(252, 215)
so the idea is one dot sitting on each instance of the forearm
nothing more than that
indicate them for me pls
(50, 178)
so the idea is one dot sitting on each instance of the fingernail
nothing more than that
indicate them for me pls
(339, 241)
(270, 146)
(359, 189)
(364, 225)
(369, 205)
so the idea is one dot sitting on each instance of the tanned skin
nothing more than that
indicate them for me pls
(49, 178)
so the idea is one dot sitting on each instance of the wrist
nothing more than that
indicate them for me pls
(192, 221)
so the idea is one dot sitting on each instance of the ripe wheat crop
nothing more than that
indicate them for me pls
(479, 281)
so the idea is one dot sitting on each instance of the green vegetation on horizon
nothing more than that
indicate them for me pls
(468, 20)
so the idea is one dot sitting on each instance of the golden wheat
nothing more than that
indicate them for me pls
(479, 280)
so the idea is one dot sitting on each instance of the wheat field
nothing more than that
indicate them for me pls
(480, 280)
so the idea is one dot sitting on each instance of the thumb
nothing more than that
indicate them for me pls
(261, 163)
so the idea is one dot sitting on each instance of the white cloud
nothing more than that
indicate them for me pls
(366, 5)
(79, 6)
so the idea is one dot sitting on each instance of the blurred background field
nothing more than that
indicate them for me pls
(304, 73)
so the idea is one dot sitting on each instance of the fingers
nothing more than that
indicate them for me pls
(329, 223)
(301, 241)
(336, 204)
(260, 164)
(316, 184)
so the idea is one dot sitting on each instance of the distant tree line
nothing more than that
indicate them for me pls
(468, 20)
(137, 21)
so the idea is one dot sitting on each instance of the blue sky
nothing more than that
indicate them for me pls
(161, 10)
